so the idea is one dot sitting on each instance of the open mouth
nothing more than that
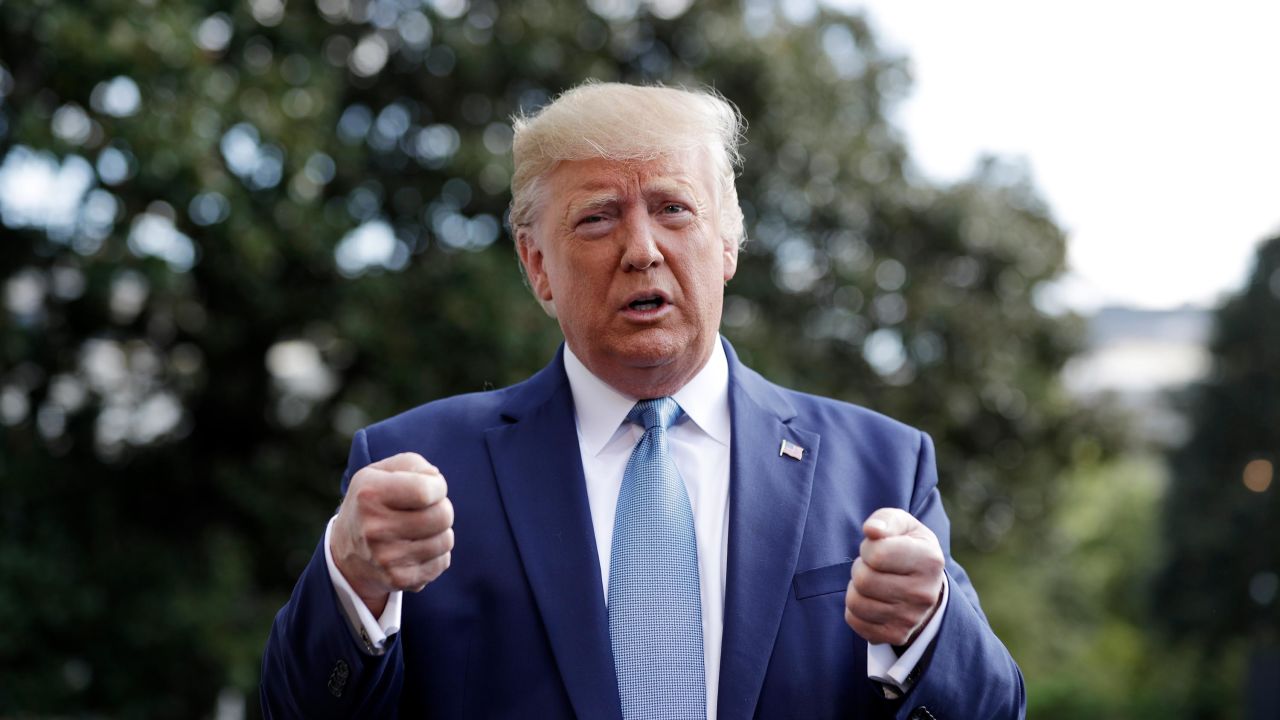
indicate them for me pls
(647, 303)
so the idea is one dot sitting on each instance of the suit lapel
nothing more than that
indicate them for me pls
(768, 502)
(539, 473)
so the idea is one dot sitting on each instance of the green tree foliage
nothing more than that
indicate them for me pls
(1219, 583)
(235, 232)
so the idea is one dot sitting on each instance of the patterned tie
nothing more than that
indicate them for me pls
(655, 605)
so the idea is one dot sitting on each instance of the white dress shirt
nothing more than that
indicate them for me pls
(700, 444)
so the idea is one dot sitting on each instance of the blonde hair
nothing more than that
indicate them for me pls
(623, 122)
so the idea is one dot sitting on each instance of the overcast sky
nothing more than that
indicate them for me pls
(1151, 128)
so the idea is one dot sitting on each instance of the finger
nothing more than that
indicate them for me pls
(899, 554)
(410, 553)
(421, 552)
(428, 522)
(870, 610)
(407, 525)
(888, 522)
(884, 587)
(407, 461)
(412, 490)
(416, 577)
(881, 622)
(870, 632)
(912, 594)
(876, 634)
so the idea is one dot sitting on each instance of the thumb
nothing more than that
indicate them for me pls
(888, 522)
(405, 462)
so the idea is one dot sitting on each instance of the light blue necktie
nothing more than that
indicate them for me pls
(655, 604)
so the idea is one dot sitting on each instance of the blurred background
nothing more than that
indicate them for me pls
(232, 233)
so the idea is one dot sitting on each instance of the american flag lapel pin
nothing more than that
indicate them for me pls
(791, 450)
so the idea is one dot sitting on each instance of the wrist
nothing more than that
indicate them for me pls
(374, 598)
(924, 623)
(376, 603)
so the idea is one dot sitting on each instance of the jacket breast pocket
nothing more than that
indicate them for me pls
(823, 580)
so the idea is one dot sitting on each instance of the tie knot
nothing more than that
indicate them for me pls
(658, 412)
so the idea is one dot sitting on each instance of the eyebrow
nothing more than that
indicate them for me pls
(594, 201)
(601, 195)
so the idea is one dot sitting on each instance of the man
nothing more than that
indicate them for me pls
(646, 528)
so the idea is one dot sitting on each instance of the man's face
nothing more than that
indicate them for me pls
(632, 256)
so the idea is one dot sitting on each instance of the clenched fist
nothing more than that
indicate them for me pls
(897, 579)
(394, 530)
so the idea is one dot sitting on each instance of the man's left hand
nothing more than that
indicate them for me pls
(897, 579)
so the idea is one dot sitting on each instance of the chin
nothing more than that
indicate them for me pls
(655, 348)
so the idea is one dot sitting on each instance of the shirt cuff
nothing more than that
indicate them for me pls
(896, 673)
(371, 633)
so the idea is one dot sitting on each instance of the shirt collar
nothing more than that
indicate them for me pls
(600, 410)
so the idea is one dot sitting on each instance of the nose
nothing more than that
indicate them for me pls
(640, 249)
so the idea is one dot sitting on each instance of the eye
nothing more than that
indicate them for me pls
(591, 219)
(673, 209)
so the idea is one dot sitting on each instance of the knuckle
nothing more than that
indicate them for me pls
(922, 597)
(863, 578)
(435, 546)
(362, 475)
(935, 563)
(377, 531)
(867, 549)
(436, 567)
(852, 621)
(421, 491)
(438, 518)
(383, 557)
(862, 587)
(403, 578)
(367, 494)
(854, 603)
(408, 461)
(446, 512)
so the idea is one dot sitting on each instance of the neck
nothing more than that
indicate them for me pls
(652, 381)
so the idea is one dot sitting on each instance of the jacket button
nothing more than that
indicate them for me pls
(338, 678)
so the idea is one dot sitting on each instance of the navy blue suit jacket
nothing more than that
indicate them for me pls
(517, 627)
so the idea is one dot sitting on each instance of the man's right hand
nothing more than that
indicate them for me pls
(394, 530)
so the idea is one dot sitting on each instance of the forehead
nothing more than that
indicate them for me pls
(688, 171)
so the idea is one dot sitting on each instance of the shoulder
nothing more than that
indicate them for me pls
(823, 408)
(468, 413)
(472, 413)
(848, 432)
(829, 414)
(823, 415)
(444, 430)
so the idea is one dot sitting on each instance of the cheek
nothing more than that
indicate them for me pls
(582, 276)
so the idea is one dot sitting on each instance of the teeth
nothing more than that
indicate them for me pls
(646, 304)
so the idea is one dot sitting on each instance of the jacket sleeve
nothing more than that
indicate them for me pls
(967, 673)
(313, 667)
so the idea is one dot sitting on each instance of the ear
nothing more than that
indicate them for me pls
(532, 259)
(730, 258)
